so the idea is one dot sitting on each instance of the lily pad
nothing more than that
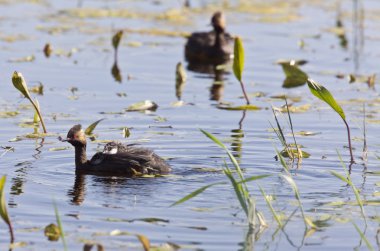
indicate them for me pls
(142, 106)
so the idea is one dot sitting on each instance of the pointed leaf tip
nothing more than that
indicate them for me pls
(20, 84)
(323, 94)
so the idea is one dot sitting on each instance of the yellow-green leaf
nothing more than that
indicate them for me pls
(322, 93)
(52, 232)
(91, 127)
(238, 64)
(294, 76)
(144, 241)
(3, 206)
(116, 39)
(20, 84)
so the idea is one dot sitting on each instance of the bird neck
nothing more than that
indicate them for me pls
(80, 156)
(219, 38)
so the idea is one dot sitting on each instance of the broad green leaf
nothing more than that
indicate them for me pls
(3, 205)
(116, 39)
(195, 193)
(294, 76)
(238, 64)
(91, 127)
(322, 93)
(363, 237)
(20, 84)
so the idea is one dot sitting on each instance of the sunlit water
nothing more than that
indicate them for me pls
(37, 175)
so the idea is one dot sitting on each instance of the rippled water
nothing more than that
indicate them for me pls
(37, 175)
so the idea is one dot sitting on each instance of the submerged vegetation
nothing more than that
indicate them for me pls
(303, 197)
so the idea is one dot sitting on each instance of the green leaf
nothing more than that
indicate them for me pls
(3, 206)
(116, 39)
(363, 237)
(52, 232)
(238, 64)
(36, 118)
(322, 93)
(91, 127)
(240, 193)
(276, 217)
(294, 76)
(239, 108)
(20, 84)
(195, 193)
(213, 138)
(59, 223)
(257, 177)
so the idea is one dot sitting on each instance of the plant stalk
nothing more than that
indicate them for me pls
(11, 232)
(39, 115)
(349, 141)
(244, 93)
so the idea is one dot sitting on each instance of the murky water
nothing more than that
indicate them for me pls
(91, 207)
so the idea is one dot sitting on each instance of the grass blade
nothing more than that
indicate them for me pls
(363, 237)
(59, 223)
(238, 189)
(256, 177)
(275, 216)
(195, 193)
(238, 64)
(3, 208)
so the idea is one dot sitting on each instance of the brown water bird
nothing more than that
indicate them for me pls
(215, 46)
(116, 158)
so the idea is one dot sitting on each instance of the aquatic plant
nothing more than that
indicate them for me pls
(59, 223)
(116, 41)
(20, 84)
(3, 209)
(238, 65)
(240, 187)
(323, 94)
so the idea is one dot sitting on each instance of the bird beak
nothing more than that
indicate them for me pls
(63, 140)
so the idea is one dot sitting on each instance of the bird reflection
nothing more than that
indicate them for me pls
(117, 185)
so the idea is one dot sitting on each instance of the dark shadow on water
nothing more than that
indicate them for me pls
(109, 184)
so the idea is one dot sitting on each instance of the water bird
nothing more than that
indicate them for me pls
(116, 158)
(215, 46)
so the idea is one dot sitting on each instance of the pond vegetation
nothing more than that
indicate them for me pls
(109, 65)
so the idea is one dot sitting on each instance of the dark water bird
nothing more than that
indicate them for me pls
(116, 158)
(215, 46)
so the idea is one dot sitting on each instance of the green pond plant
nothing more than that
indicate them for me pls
(3, 209)
(238, 65)
(20, 84)
(323, 94)
(60, 227)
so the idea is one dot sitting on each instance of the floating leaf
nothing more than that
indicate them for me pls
(322, 93)
(142, 106)
(30, 58)
(238, 64)
(91, 127)
(9, 114)
(39, 89)
(52, 232)
(240, 108)
(293, 153)
(294, 76)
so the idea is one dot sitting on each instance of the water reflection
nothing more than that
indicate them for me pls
(108, 184)
(237, 136)
(115, 71)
